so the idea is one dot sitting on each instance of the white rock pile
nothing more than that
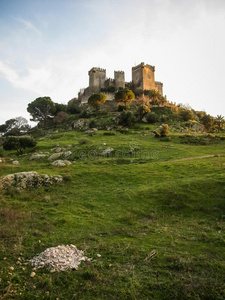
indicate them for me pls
(60, 258)
(31, 179)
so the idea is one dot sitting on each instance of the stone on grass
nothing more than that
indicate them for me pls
(37, 156)
(67, 154)
(61, 163)
(24, 180)
(60, 258)
(55, 156)
(107, 151)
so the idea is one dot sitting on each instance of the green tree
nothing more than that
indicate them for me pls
(142, 111)
(152, 117)
(207, 121)
(186, 115)
(19, 143)
(125, 96)
(15, 126)
(219, 122)
(96, 100)
(126, 118)
(41, 109)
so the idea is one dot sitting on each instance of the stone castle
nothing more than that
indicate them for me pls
(143, 78)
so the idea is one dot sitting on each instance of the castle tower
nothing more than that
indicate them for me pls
(119, 78)
(97, 79)
(143, 77)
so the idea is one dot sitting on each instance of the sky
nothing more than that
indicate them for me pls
(47, 48)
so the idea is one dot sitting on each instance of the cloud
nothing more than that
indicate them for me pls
(29, 26)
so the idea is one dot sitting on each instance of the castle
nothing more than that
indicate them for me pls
(143, 78)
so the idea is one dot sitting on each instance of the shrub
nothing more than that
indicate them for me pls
(142, 111)
(19, 143)
(60, 118)
(164, 118)
(152, 117)
(186, 115)
(126, 118)
(164, 130)
(121, 108)
(84, 114)
(92, 124)
(83, 141)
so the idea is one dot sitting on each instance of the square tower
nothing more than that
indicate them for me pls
(97, 79)
(119, 78)
(143, 77)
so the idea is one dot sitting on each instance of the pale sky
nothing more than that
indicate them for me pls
(47, 48)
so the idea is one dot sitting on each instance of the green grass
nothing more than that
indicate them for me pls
(157, 223)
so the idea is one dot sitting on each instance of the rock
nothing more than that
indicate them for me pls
(61, 163)
(24, 180)
(55, 156)
(67, 154)
(107, 151)
(103, 144)
(94, 129)
(15, 162)
(32, 274)
(37, 156)
(1, 161)
(60, 258)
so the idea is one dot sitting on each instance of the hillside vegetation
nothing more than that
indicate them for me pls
(149, 211)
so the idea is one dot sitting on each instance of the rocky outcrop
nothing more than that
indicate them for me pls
(24, 180)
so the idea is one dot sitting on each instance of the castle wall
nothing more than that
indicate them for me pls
(159, 86)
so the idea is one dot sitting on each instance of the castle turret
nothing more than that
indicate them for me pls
(143, 77)
(119, 78)
(97, 79)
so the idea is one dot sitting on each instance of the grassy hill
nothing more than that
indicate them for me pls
(155, 216)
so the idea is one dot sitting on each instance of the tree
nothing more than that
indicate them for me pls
(207, 121)
(15, 126)
(19, 143)
(152, 117)
(186, 115)
(154, 96)
(142, 111)
(41, 109)
(60, 118)
(125, 96)
(126, 118)
(96, 100)
(219, 121)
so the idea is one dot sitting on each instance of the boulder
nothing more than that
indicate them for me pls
(67, 154)
(107, 151)
(55, 156)
(37, 156)
(61, 163)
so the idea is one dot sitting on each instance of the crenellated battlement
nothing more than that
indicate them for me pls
(118, 72)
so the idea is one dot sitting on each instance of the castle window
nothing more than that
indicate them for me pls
(149, 76)
(137, 77)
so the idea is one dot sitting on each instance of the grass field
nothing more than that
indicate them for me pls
(156, 220)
